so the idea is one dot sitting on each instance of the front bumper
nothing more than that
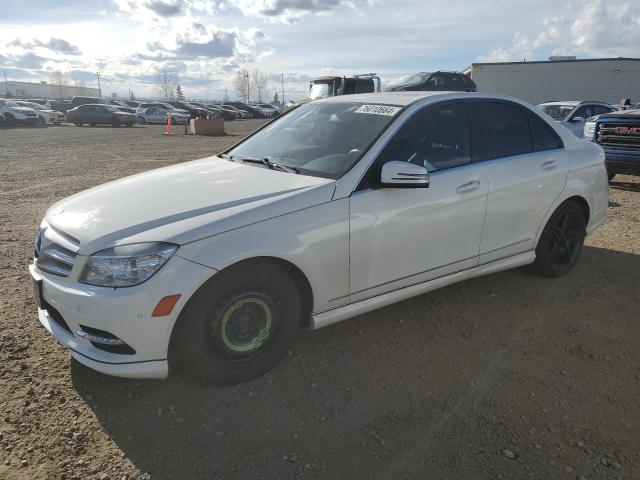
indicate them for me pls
(70, 307)
(622, 161)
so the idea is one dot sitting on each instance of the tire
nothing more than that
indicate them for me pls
(142, 120)
(77, 124)
(611, 176)
(9, 119)
(561, 241)
(115, 122)
(129, 125)
(239, 325)
(42, 121)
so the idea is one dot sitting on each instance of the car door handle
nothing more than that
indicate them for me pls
(468, 187)
(550, 165)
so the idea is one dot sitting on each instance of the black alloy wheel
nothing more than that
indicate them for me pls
(561, 241)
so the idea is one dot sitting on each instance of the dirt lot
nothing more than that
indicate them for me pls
(505, 376)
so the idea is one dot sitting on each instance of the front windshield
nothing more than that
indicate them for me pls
(35, 106)
(319, 139)
(319, 90)
(557, 112)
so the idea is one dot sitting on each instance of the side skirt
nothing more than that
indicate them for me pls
(336, 315)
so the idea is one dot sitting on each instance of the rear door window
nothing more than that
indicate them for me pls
(500, 130)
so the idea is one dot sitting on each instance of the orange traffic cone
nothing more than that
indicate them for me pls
(167, 130)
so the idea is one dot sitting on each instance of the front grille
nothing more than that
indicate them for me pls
(621, 135)
(54, 251)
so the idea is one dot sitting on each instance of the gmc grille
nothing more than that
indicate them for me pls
(619, 135)
(54, 251)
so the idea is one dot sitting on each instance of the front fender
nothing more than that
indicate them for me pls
(315, 240)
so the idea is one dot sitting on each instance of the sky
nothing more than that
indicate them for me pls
(206, 42)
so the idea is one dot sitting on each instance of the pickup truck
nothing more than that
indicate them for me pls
(618, 133)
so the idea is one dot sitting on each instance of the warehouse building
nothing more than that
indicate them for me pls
(561, 78)
(44, 90)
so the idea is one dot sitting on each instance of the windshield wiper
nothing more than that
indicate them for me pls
(268, 163)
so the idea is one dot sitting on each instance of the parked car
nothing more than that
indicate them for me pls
(342, 206)
(162, 108)
(434, 81)
(77, 101)
(42, 101)
(226, 115)
(14, 113)
(100, 114)
(618, 133)
(156, 115)
(45, 115)
(268, 110)
(240, 113)
(573, 114)
(195, 112)
(123, 107)
(60, 105)
(212, 112)
(253, 112)
(132, 103)
(268, 106)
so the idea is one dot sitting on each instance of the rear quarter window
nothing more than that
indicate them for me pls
(544, 137)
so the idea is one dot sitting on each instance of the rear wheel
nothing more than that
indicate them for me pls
(561, 241)
(239, 325)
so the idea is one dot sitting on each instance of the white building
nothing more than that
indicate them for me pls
(44, 90)
(561, 78)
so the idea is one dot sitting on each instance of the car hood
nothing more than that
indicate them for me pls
(623, 114)
(183, 203)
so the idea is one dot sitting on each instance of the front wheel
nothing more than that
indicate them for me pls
(239, 325)
(561, 241)
(611, 176)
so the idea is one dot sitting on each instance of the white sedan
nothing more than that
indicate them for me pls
(157, 115)
(339, 207)
(45, 115)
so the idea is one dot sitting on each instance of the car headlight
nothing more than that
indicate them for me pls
(589, 130)
(126, 265)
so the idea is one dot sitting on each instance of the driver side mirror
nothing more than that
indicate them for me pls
(398, 174)
(578, 120)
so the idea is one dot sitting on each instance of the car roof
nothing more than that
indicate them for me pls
(400, 99)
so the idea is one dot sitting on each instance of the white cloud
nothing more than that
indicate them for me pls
(598, 29)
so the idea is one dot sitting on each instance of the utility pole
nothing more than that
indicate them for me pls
(99, 87)
(6, 85)
(246, 75)
(282, 81)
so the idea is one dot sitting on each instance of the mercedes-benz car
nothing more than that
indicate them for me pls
(338, 207)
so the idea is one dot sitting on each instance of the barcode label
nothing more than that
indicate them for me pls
(388, 110)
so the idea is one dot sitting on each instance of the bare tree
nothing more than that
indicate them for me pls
(241, 85)
(260, 84)
(59, 78)
(166, 83)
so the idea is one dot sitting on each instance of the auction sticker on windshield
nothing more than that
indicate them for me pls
(379, 110)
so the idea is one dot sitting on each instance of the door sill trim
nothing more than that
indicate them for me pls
(336, 315)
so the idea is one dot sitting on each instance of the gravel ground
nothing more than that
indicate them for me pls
(507, 376)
